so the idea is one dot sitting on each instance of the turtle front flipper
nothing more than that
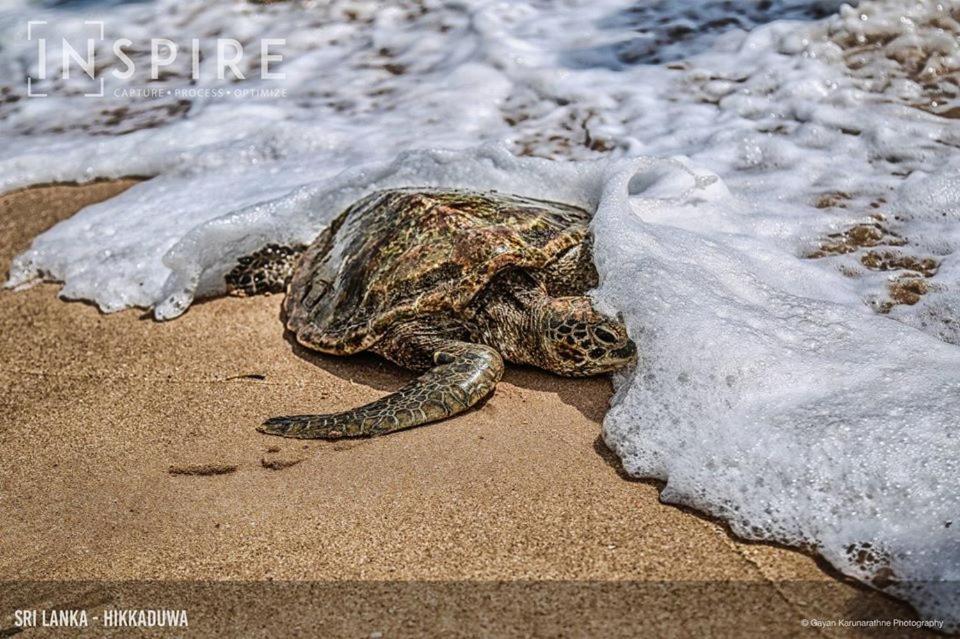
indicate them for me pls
(463, 374)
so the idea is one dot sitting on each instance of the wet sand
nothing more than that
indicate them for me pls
(130, 455)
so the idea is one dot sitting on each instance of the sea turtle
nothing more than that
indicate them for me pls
(445, 281)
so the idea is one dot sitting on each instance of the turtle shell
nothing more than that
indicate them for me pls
(407, 253)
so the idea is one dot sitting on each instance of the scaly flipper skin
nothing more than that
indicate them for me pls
(463, 374)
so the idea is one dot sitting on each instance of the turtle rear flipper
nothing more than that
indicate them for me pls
(266, 271)
(463, 375)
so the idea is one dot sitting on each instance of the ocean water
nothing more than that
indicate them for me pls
(777, 196)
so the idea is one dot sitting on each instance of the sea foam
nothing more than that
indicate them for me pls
(778, 216)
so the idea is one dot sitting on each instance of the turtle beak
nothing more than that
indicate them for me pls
(627, 352)
(624, 356)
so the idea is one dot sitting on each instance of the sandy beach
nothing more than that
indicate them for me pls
(130, 454)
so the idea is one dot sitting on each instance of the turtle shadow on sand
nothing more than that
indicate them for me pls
(590, 396)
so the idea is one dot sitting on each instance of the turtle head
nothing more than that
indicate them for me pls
(578, 341)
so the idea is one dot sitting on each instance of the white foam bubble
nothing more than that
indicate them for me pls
(774, 264)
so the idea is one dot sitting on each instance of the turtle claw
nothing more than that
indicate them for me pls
(300, 427)
(276, 426)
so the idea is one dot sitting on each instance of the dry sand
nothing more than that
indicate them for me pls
(129, 453)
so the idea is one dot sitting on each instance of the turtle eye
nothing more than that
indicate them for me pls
(605, 336)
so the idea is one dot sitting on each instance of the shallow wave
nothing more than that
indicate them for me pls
(769, 200)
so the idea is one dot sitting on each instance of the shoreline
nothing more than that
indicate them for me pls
(103, 408)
